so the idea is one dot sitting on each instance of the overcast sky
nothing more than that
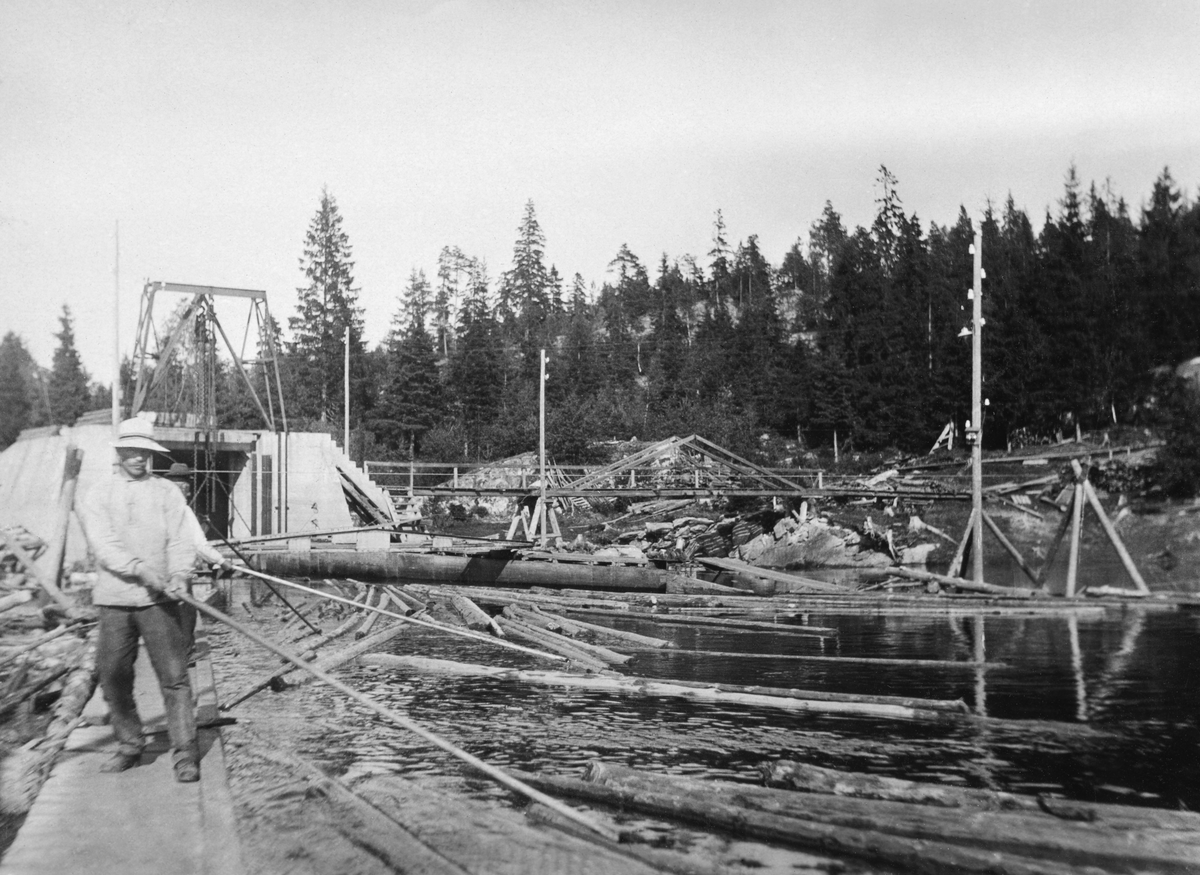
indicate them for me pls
(207, 130)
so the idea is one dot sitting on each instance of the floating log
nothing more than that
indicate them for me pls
(329, 663)
(310, 653)
(910, 855)
(970, 585)
(474, 616)
(792, 775)
(365, 629)
(393, 716)
(619, 635)
(464, 633)
(734, 625)
(554, 643)
(413, 603)
(604, 654)
(743, 569)
(369, 828)
(849, 660)
(621, 685)
(681, 584)
(1044, 838)
(536, 617)
(953, 706)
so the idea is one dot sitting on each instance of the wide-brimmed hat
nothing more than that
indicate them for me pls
(138, 434)
(179, 471)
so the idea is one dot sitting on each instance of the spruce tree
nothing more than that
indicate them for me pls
(411, 398)
(476, 368)
(525, 292)
(15, 405)
(327, 305)
(68, 386)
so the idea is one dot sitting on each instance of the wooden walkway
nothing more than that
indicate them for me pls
(139, 822)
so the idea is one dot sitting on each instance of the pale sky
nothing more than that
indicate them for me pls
(207, 130)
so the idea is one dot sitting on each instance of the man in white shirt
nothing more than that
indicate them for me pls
(138, 528)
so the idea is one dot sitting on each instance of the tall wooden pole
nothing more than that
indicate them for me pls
(542, 445)
(977, 408)
(116, 383)
(346, 395)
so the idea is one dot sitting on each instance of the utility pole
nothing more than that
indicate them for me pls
(975, 431)
(346, 395)
(542, 446)
(116, 383)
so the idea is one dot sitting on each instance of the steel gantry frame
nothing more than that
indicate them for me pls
(152, 354)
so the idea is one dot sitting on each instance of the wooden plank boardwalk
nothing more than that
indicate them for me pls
(139, 822)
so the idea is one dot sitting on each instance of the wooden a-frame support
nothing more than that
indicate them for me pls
(530, 523)
(1083, 494)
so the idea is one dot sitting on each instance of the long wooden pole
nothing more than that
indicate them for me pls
(62, 523)
(1010, 548)
(956, 563)
(346, 396)
(1077, 500)
(977, 409)
(462, 633)
(116, 383)
(402, 721)
(1118, 544)
(542, 446)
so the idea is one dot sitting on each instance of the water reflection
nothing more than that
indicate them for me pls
(1125, 680)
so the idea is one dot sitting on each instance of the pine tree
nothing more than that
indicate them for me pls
(327, 305)
(15, 405)
(68, 388)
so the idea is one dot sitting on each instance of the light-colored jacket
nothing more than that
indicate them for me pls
(130, 523)
(205, 551)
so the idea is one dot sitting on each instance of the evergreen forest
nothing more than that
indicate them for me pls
(858, 333)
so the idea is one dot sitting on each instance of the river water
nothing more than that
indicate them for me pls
(1096, 705)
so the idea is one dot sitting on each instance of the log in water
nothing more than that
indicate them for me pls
(650, 687)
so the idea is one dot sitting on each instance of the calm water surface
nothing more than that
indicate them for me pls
(1107, 701)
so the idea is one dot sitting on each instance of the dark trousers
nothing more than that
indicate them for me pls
(161, 627)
